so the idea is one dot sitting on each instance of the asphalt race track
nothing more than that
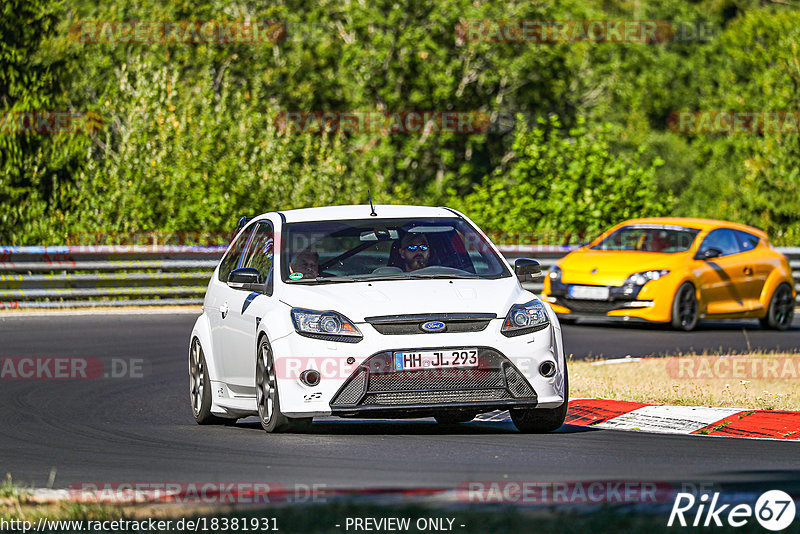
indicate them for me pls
(140, 429)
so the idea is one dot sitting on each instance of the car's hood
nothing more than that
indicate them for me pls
(357, 300)
(603, 267)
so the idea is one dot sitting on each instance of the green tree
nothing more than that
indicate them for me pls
(565, 183)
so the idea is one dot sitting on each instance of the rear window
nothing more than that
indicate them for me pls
(746, 240)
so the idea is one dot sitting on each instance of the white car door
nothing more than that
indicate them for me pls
(220, 300)
(247, 307)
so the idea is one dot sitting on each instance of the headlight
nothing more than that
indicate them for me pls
(525, 318)
(555, 274)
(640, 279)
(325, 325)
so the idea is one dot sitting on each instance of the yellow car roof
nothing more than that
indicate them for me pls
(690, 222)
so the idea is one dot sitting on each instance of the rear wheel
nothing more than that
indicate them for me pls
(781, 309)
(684, 308)
(269, 406)
(541, 420)
(200, 388)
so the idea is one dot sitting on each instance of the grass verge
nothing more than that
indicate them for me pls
(758, 381)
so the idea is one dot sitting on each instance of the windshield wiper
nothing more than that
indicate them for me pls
(324, 279)
(444, 276)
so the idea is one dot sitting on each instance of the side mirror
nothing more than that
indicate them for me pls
(527, 269)
(709, 254)
(246, 278)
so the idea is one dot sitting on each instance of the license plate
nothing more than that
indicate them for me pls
(588, 292)
(435, 359)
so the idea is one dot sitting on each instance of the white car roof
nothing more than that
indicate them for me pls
(384, 211)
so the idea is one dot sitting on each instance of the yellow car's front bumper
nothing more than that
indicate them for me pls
(653, 303)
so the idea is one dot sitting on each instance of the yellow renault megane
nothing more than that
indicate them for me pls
(675, 270)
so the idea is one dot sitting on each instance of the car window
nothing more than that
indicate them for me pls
(352, 250)
(649, 238)
(723, 239)
(231, 259)
(260, 252)
(746, 240)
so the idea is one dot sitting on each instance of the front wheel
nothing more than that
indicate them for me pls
(781, 309)
(200, 388)
(269, 406)
(541, 420)
(684, 308)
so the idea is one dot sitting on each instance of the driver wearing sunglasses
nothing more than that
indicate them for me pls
(414, 251)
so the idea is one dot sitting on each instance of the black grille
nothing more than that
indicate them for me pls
(393, 325)
(517, 384)
(376, 383)
(397, 329)
(436, 379)
(353, 390)
(590, 306)
(434, 397)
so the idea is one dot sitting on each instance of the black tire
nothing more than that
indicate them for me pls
(781, 309)
(269, 406)
(200, 388)
(684, 308)
(542, 420)
(454, 418)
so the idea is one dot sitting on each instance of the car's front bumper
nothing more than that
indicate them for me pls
(649, 303)
(340, 363)
(375, 387)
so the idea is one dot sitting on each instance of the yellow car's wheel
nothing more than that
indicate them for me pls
(684, 308)
(781, 309)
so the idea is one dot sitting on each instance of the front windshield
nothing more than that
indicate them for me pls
(649, 238)
(370, 249)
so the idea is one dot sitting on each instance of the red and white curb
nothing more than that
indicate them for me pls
(700, 420)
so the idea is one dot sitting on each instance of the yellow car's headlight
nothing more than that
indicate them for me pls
(640, 279)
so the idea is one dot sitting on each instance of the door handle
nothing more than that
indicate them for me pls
(224, 310)
(748, 271)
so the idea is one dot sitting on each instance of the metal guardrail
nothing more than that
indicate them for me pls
(142, 275)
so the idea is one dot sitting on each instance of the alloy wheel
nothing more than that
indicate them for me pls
(687, 307)
(265, 384)
(784, 307)
(196, 372)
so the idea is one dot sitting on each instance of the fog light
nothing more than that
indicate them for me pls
(547, 369)
(310, 377)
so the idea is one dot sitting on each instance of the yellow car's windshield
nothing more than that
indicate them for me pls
(649, 238)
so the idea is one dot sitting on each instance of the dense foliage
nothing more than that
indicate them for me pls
(578, 137)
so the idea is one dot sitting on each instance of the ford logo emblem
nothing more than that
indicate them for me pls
(433, 326)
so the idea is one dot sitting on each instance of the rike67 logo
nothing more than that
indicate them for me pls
(774, 510)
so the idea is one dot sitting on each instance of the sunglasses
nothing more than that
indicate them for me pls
(412, 248)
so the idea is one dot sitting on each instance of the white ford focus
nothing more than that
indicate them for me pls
(391, 312)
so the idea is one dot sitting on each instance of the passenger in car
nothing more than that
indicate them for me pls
(306, 262)
(659, 241)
